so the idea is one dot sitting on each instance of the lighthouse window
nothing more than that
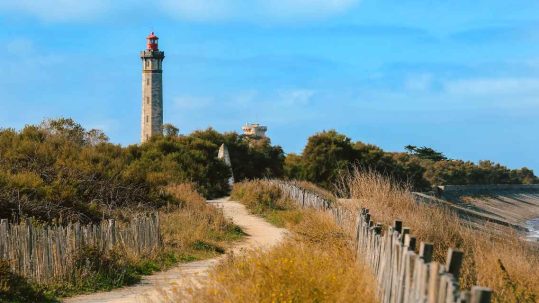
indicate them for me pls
(147, 119)
(147, 100)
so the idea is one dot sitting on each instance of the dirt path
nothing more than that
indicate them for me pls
(159, 287)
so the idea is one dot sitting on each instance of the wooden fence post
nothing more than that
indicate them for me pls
(4, 227)
(405, 231)
(465, 297)
(481, 295)
(409, 241)
(434, 282)
(425, 251)
(397, 226)
(454, 262)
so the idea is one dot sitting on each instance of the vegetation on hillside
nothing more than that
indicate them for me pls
(315, 264)
(328, 154)
(58, 169)
(251, 158)
(501, 261)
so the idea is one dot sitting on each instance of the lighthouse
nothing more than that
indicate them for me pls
(152, 89)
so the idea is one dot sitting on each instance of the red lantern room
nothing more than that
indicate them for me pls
(152, 42)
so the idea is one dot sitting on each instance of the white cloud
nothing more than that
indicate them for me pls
(20, 46)
(256, 10)
(191, 102)
(198, 9)
(306, 8)
(492, 86)
(57, 10)
(26, 64)
(296, 97)
(193, 10)
(418, 83)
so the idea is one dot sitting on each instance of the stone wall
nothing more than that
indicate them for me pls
(488, 188)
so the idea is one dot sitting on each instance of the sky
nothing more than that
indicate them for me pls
(459, 76)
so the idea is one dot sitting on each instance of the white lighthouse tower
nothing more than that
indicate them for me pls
(152, 89)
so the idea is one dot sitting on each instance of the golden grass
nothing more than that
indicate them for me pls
(260, 196)
(314, 265)
(193, 227)
(516, 281)
(265, 199)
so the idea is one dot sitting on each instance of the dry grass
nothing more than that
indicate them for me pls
(516, 281)
(260, 196)
(194, 228)
(265, 199)
(315, 265)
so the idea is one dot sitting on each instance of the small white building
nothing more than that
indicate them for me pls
(254, 130)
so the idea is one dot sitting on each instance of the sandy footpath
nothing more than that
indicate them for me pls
(159, 287)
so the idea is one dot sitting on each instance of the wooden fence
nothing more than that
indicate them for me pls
(402, 275)
(305, 198)
(46, 253)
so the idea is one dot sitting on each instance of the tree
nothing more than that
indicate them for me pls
(170, 130)
(426, 153)
(401, 167)
(251, 158)
(293, 167)
(326, 155)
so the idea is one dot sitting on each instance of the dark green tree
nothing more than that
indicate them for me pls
(426, 153)
(326, 155)
(293, 167)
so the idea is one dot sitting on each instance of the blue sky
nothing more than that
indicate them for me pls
(459, 76)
